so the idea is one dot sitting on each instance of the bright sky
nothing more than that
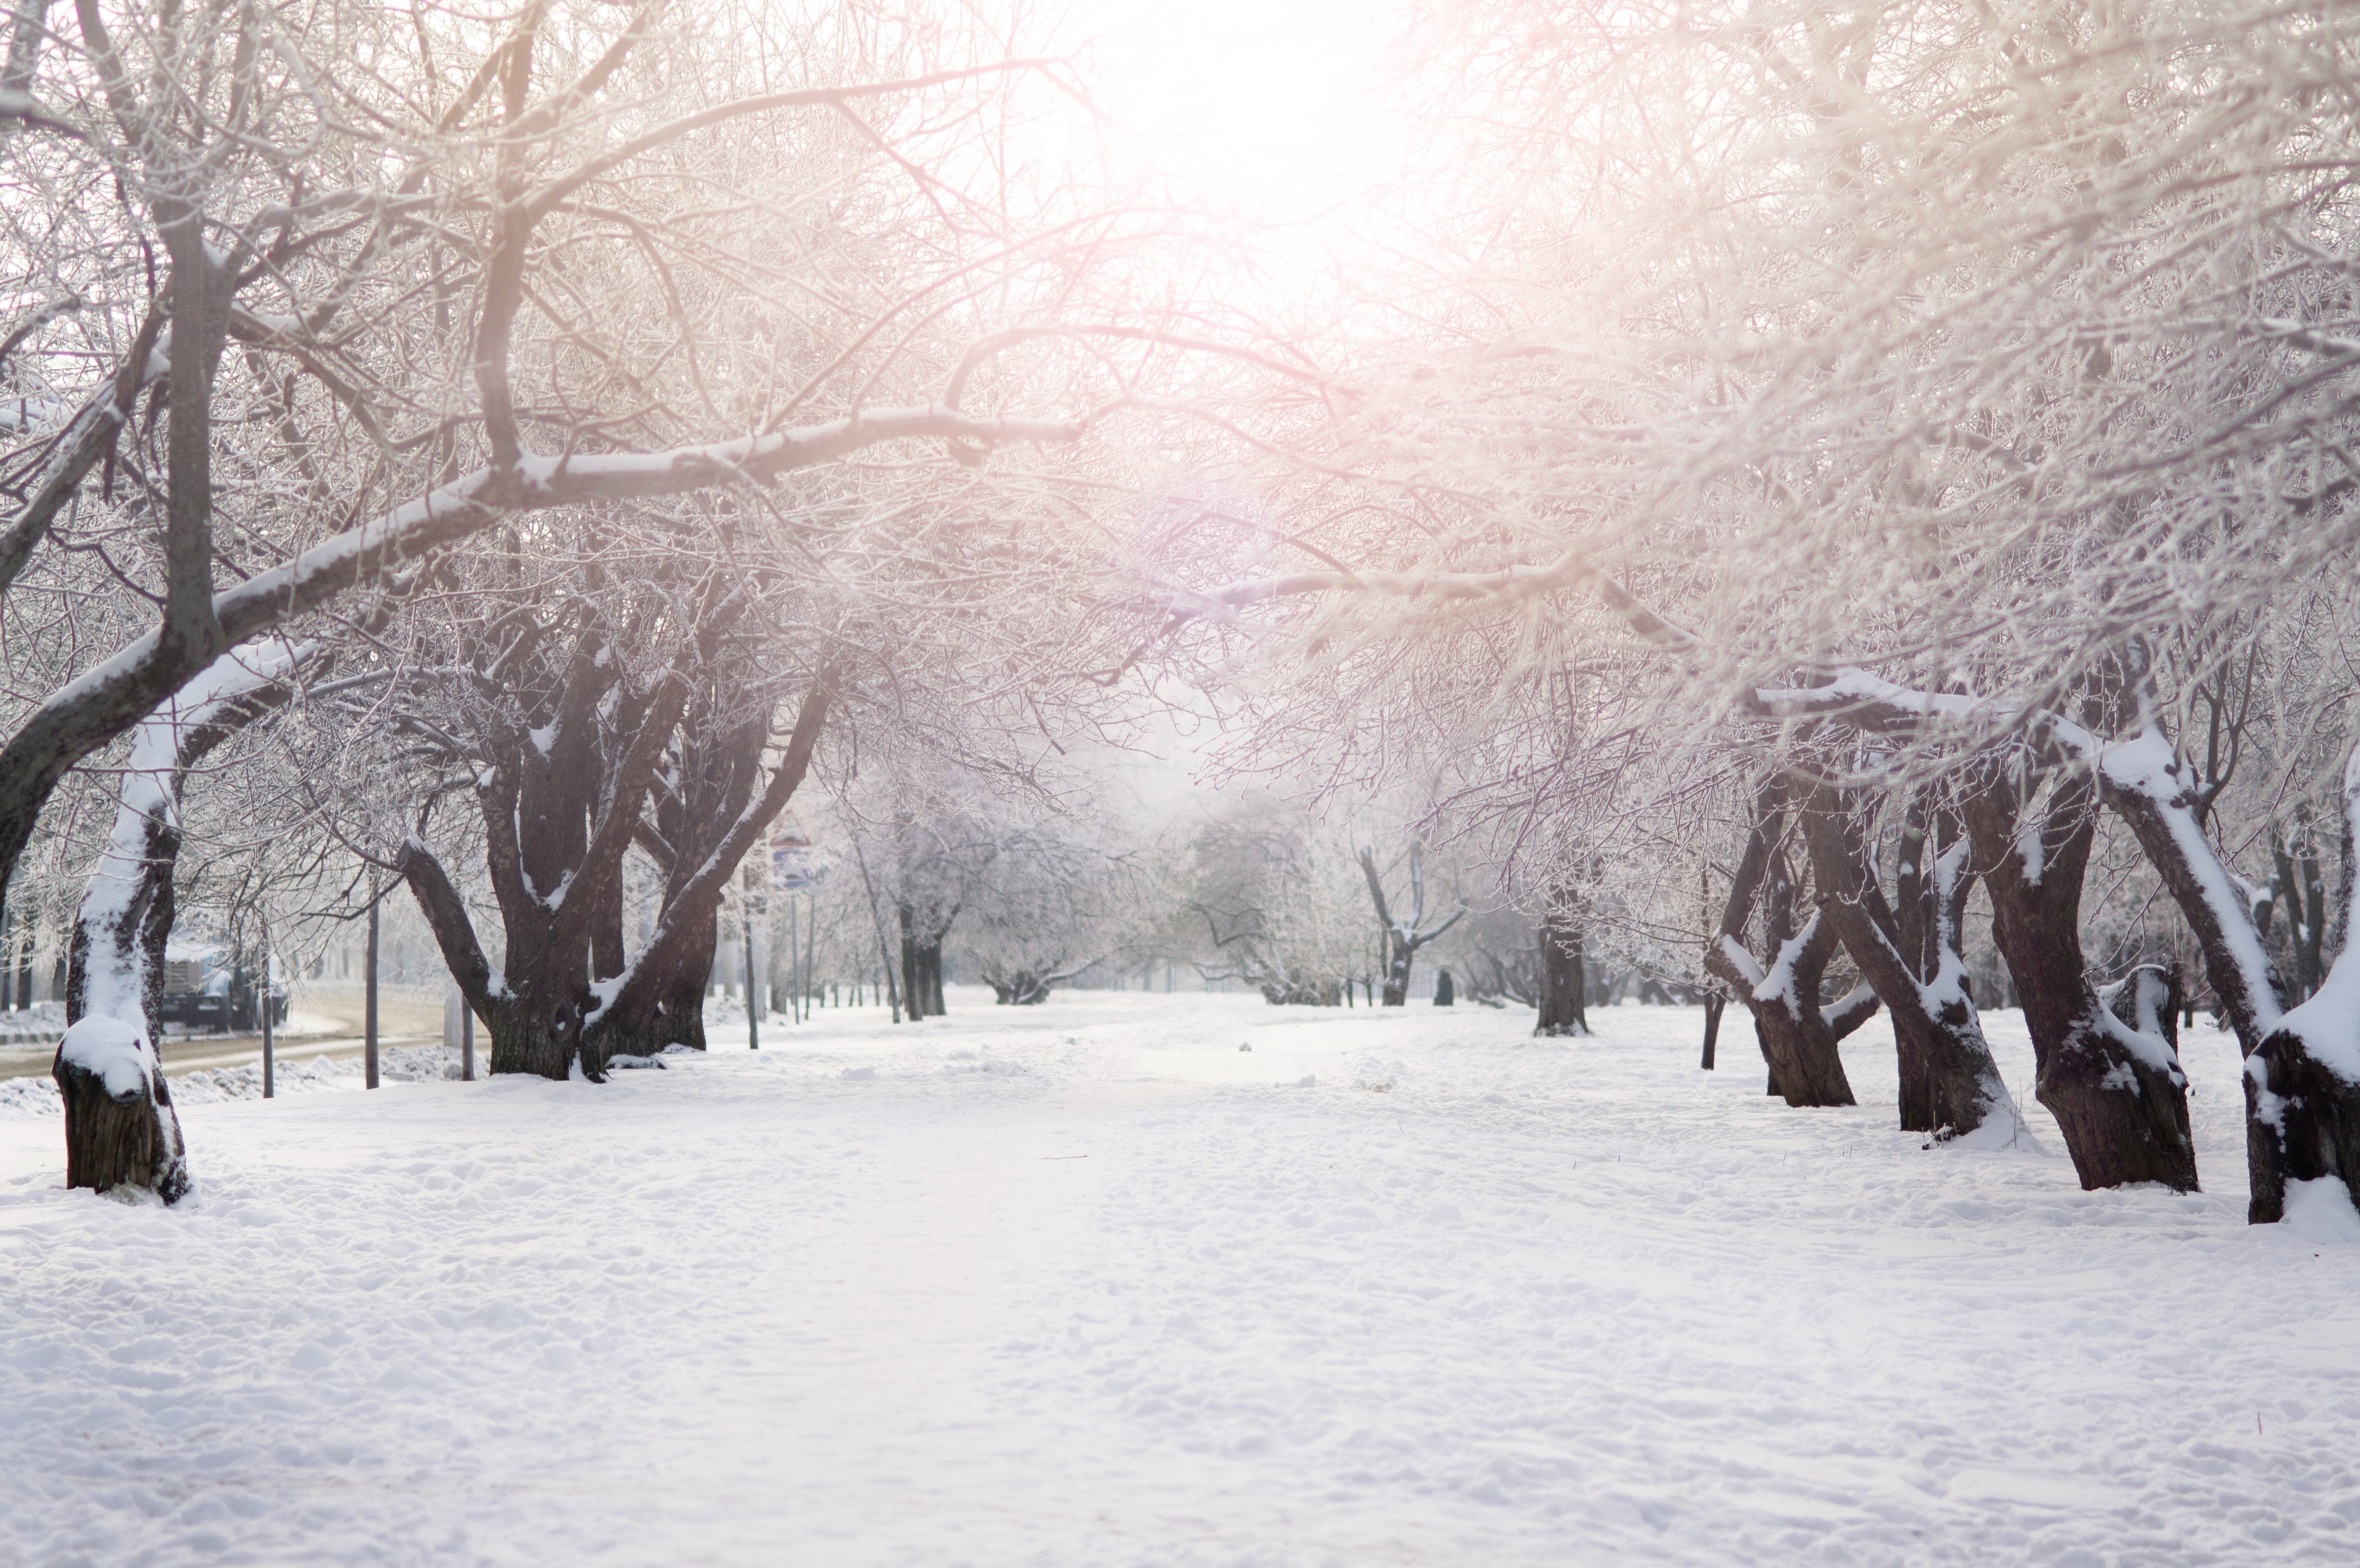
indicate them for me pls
(1272, 110)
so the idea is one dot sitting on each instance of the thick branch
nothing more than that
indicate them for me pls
(80, 449)
(446, 912)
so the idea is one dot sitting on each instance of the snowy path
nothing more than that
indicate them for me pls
(1088, 1286)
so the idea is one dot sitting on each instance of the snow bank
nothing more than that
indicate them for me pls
(38, 1098)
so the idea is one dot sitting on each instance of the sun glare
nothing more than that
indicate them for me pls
(1267, 110)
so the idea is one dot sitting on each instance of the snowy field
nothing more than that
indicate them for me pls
(1086, 1285)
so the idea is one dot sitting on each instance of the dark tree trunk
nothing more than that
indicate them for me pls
(1399, 957)
(120, 1128)
(672, 1012)
(1714, 1002)
(1023, 988)
(2303, 1117)
(2117, 1092)
(2246, 983)
(921, 968)
(1797, 1036)
(2302, 1120)
(539, 1037)
(1565, 978)
(1930, 890)
(560, 806)
(1933, 1017)
(930, 970)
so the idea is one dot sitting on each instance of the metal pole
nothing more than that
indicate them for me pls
(794, 954)
(810, 948)
(467, 1040)
(368, 1003)
(269, 1056)
(753, 1017)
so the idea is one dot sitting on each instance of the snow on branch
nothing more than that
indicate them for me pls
(475, 501)
(163, 747)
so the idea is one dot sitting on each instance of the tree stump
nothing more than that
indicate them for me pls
(121, 1129)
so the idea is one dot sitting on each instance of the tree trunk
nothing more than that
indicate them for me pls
(1399, 954)
(120, 1128)
(107, 1066)
(921, 968)
(674, 1011)
(2302, 1082)
(930, 969)
(914, 988)
(1933, 1015)
(1714, 1002)
(540, 1036)
(1565, 978)
(2117, 1092)
(1797, 1036)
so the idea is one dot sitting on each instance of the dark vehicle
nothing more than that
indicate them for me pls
(207, 992)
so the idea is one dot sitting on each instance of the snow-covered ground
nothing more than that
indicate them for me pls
(1088, 1285)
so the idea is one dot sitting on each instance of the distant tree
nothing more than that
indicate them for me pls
(1407, 932)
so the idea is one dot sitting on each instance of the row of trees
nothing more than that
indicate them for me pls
(490, 456)
(1874, 472)
(1907, 446)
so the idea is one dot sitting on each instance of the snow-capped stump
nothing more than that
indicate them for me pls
(121, 1129)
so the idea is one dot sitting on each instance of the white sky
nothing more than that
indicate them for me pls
(1268, 110)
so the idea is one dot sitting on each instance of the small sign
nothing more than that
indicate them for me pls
(790, 857)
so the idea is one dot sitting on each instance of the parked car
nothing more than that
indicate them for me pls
(208, 991)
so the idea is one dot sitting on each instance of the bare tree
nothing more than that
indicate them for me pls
(1407, 933)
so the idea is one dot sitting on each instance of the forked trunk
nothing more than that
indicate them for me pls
(1935, 1025)
(2117, 1091)
(1402, 938)
(1798, 1038)
(1799, 1044)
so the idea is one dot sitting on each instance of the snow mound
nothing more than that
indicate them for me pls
(32, 1099)
(115, 1053)
(2321, 1210)
(26, 1099)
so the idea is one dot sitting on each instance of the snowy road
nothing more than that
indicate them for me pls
(1089, 1286)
